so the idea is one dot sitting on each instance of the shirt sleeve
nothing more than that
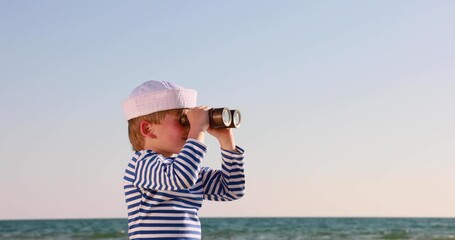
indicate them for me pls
(182, 172)
(229, 183)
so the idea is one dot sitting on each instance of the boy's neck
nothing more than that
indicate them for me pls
(154, 149)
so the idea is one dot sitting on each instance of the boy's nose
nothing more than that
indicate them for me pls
(186, 128)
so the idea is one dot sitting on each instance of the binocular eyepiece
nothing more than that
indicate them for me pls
(219, 118)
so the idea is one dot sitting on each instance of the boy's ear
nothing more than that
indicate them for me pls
(147, 129)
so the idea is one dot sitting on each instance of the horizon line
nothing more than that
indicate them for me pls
(212, 217)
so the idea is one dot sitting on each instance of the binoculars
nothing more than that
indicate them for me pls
(219, 118)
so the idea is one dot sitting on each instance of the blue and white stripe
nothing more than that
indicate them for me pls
(163, 195)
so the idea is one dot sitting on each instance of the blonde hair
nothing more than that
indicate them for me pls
(134, 126)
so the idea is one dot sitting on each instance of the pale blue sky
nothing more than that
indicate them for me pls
(347, 105)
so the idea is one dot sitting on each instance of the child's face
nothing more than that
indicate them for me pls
(171, 135)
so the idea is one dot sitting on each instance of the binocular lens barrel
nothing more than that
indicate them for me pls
(219, 118)
(236, 118)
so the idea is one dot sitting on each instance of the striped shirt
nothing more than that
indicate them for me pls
(163, 195)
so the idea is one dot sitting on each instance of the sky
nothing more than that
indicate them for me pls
(348, 106)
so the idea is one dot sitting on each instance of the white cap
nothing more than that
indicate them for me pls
(154, 96)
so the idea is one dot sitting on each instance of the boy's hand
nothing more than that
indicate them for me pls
(199, 122)
(225, 137)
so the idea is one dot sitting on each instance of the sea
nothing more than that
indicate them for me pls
(244, 228)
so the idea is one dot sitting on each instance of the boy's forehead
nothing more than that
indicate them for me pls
(184, 112)
(178, 112)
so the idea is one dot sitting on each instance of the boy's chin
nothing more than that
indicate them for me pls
(178, 150)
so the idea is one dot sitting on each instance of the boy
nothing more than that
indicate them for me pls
(164, 182)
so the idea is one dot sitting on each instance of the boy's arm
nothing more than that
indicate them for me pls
(178, 173)
(229, 183)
